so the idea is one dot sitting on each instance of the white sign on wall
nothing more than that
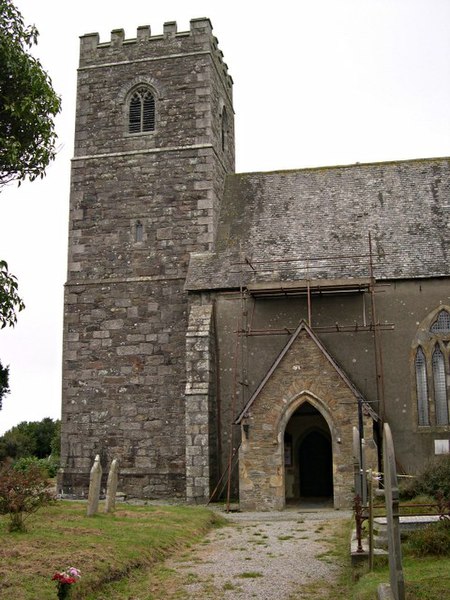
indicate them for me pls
(441, 446)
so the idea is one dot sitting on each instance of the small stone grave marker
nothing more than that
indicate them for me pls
(94, 487)
(111, 487)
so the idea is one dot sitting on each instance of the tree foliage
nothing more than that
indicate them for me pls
(16, 443)
(10, 301)
(30, 439)
(28, 102)
(10, 305)
(4, 382)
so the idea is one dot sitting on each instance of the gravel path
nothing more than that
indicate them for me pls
(261, 555)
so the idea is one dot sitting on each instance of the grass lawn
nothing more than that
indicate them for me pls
(425, 579)
(121, 557)
(105, 547)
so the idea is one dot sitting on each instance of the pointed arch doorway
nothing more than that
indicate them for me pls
(308, 456)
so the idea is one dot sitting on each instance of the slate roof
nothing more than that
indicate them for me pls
(320, 220)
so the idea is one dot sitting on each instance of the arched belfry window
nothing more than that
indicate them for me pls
(432, 370)
(141, 115)
(422, 388)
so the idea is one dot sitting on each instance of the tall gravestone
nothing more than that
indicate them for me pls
(94, 487)
(111, 486)
(397, 582)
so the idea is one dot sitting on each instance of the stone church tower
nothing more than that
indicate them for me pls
(154, 140)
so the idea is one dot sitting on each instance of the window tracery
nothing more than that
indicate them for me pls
(141, 113)
(432, 372)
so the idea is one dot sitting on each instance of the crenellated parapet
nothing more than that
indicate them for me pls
(145, 46)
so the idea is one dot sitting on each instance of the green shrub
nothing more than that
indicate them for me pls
(25, 463)
(49, 466)
(418, 505)
(22, 493)
(433, 540)
(434, 478)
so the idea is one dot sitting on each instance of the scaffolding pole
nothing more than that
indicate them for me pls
(376, 338)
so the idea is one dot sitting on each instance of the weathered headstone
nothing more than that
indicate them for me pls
(111, 486)
(393, 520)
(94, 487)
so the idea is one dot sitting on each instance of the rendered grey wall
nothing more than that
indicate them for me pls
(402, 303)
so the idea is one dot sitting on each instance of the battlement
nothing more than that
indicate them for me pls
(171, 43)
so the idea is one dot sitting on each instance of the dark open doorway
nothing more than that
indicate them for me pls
(308, 456)
(315, 465)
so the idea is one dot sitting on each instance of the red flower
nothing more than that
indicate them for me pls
(63, 578)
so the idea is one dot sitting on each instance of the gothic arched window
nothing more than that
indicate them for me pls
(422, 388)
(432, 371)
(141, 115)
(440, 387)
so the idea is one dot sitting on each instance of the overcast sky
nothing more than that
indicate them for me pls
(317, 82)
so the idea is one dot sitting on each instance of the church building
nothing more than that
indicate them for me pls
(229, 332)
